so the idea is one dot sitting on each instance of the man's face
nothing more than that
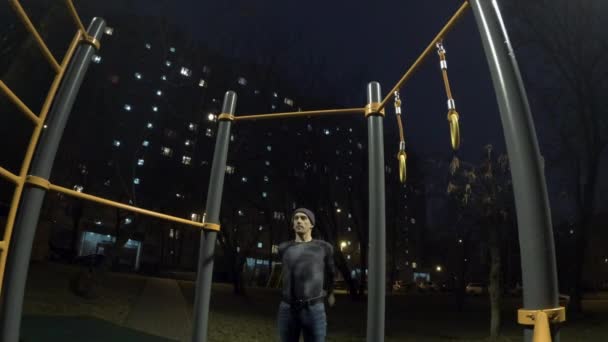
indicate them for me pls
(301, 223)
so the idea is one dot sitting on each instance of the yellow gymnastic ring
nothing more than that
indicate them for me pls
(402, 157)
(454, 129)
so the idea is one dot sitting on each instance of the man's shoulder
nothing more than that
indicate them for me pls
(326, 245)
(285, 244)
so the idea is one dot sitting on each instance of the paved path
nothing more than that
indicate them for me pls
(161, 310)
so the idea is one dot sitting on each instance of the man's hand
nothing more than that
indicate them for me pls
(331, 300)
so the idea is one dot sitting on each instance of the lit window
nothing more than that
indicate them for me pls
(127, 107)
(195, 217)
(171, 233)
(78, 188)
(138, 76)
(107, 182)
(275, 94)
(145, 143)
(230, 169)
(185, 71)
(159, 92)
(260, 245)
(206, 69)
(413, 220)
(241, 213)
(99, 223)
(211, 117)
(166, 151)
(326, 131)
(360, 146)
(264, 194)
(178, 195)
(349, 229)
(257, 92)
(231, 137)
(260, 228)
(202, 83)
(150, 125)
(128, 220)
(242, 81)
(288, 102)
(154, 108)
(186, 160)
(136, 181)
(267, 163)
(172, 49)
(274, 107)
(109, 30)
(170, 133)
(116, 143)
(209, 132)
(266, 179)
(350, 215)
(269, 148)
(188, 142)
(163, 77)
(244, 179)
(96, 59)
(192, 127)
(168, 63)
(148, 46)
(348, 256)
(140, 162)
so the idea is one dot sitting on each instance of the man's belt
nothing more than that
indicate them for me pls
(300, 303)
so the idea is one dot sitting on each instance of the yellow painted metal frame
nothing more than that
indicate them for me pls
(540, 319)
(20, 180)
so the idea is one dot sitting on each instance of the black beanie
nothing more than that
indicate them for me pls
(309, 213)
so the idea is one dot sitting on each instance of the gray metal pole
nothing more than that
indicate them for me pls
(214, 201)
(538, 267)
(376, 282)
(18, 259)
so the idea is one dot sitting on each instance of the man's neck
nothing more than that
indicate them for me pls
(303, 238)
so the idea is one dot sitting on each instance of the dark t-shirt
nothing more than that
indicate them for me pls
(308, 269)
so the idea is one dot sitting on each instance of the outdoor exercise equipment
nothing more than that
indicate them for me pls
(453, 115)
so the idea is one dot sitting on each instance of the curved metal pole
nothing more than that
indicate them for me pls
(539, 273)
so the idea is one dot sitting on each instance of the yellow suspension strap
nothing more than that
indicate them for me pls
(452, 113)
(401, 155)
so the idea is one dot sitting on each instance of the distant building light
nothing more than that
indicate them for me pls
(275, 94)
(211, 117)
(128, 220)
(269, 148)
(163, 77)
(348, 257)
(159, 93)
(274, 107)
(155, 108)
(257, 92)
(206, 69)
(138, 75)
(231, 137)
(195, 217)
(78, 188)
(116, 143)
(326, 131)
(260, 228)
(267, 163)
(349, 229)
(438, 268)
(459, 240)
(186, 160)
(96, 59)
(109, 30)
(209, 132)
(150, 125)
(188, 142)
(148, 46)
(140, 162)
(185, 72)
(168, 63)
(264, 194)
(415, 265)
(260, 245)
(145, 143)
(178, 195)
(202, 83)
(338, 210)
(230, 169)
(242, 81)
(241, 213)
(413, 220)
(172, 49)
(99, 223)
(288, 102)
(192, 126)
(166, 151)
(127, 107)
(136, 181)
(266, 179)
(244, 179)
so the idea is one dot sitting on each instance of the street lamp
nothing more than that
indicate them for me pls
(343, 245)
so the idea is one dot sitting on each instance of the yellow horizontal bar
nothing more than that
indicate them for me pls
(6, 174)
(104, 201)
(17, 101)
(74, 15)
(426, 52)
(300, 114)
(30, 27)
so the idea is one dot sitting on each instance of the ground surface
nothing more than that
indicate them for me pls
(136, 308)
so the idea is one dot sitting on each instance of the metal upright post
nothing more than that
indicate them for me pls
(536, 243)
(18, 259)
(214, 201)
(377, 222)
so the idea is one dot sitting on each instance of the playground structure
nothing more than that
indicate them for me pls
(533, 212)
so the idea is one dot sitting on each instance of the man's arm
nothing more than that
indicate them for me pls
(330, 273)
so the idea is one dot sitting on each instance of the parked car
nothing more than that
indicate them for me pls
(427, 286)
(475, 289)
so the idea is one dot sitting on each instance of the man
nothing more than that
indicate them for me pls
(308, 276)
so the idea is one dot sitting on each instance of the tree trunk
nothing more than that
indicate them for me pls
(494, 289)
(77, 213)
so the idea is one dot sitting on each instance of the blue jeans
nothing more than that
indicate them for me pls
(310, 320)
